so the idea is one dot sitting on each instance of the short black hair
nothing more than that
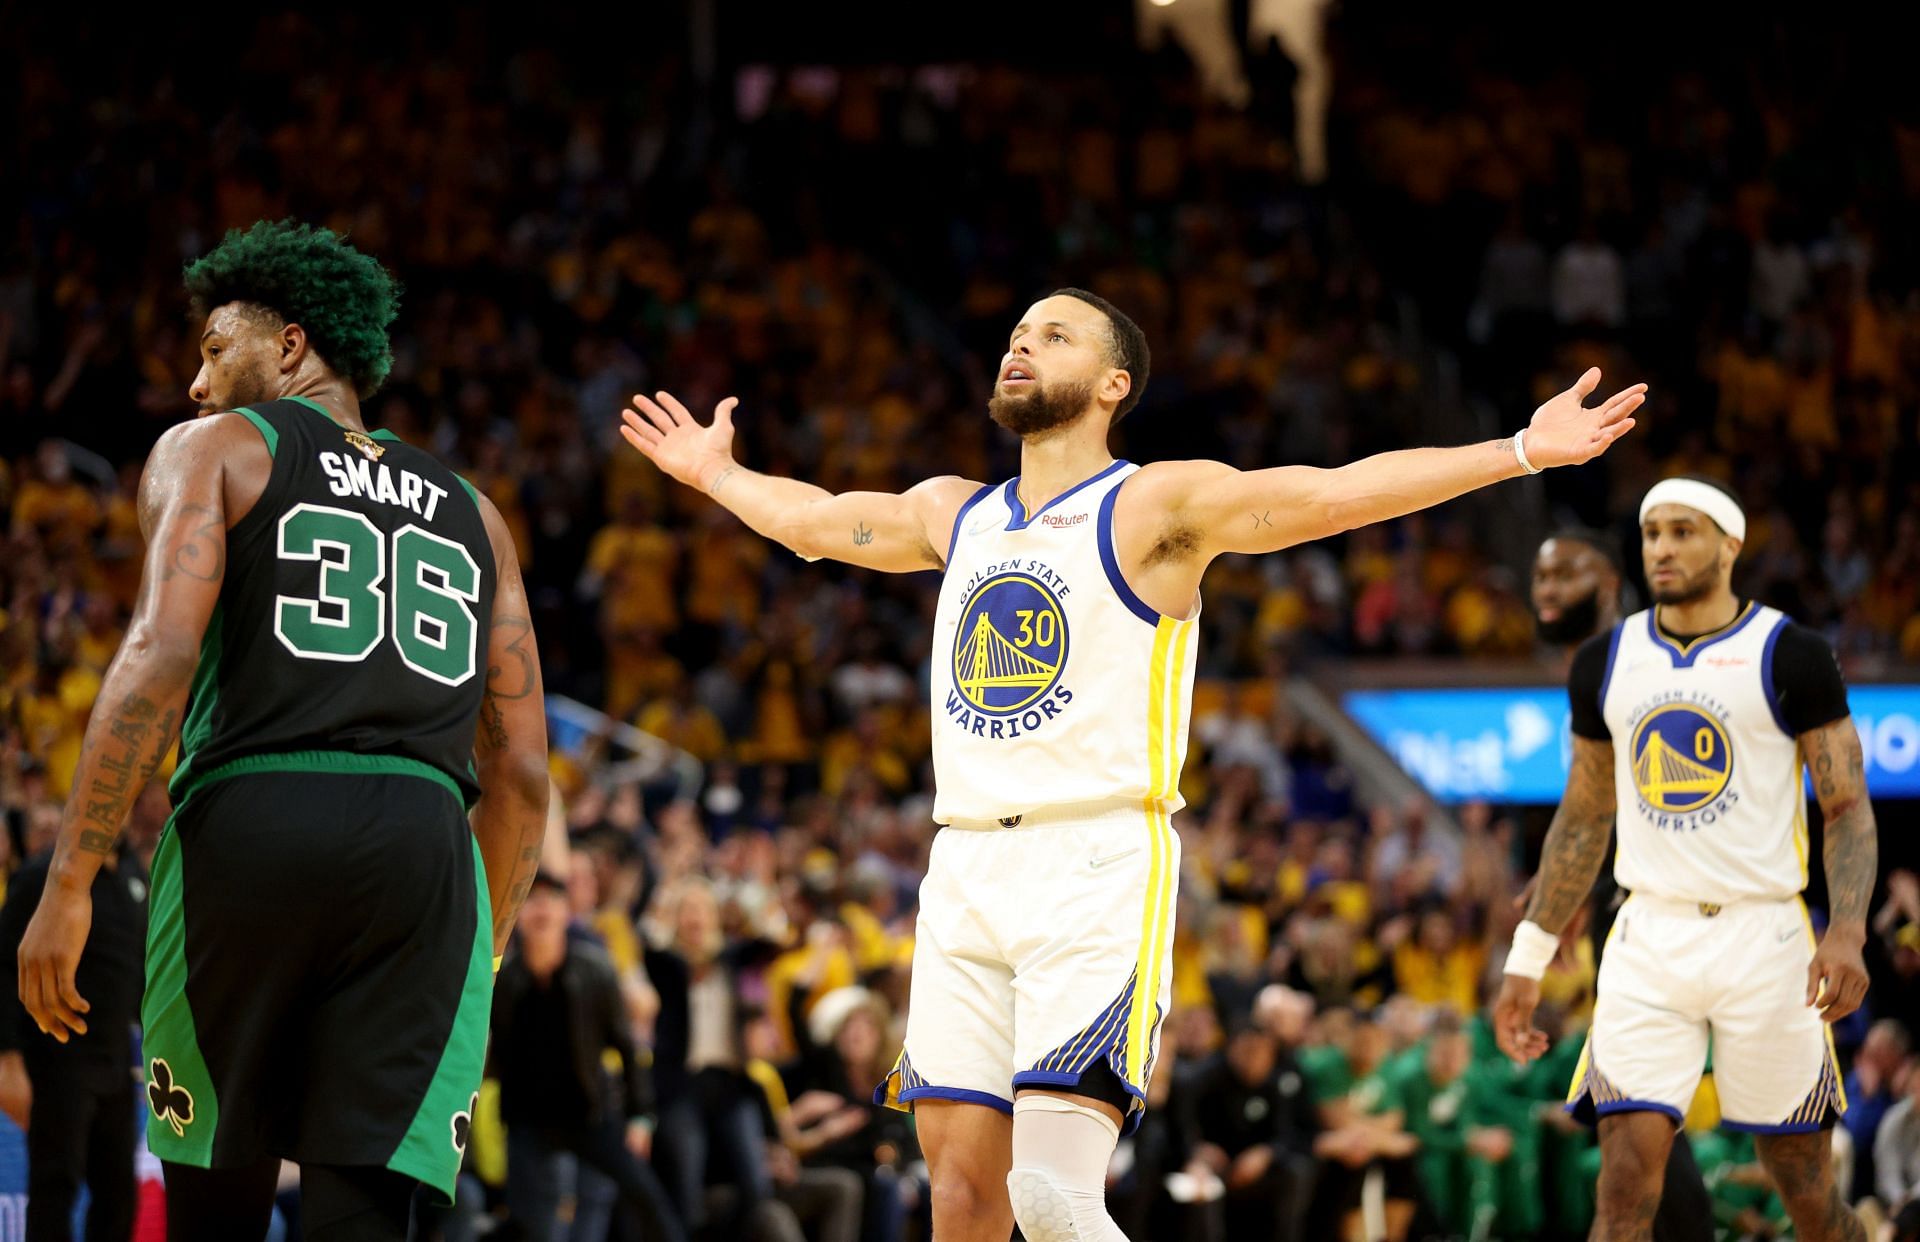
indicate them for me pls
(310, 276)
(1606, 545)
(1126, 345)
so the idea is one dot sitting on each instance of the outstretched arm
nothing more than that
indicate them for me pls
(184, 515)
(1266, 510)
(510, 746)
(1837, 977)
(877, 530)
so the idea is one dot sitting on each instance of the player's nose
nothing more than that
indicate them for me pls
(199, 390)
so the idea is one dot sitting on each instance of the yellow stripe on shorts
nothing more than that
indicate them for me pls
(1165, 672)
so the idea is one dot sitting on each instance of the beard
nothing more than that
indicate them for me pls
(252, 386)
(1687, 590)
(1044, 407)
(1576, 623)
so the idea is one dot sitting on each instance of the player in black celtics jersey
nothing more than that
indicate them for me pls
(333, 624)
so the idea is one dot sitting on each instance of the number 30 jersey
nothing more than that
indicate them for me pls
(1053, 683)
(354, 612)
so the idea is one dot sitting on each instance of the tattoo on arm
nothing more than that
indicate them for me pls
(120, 763)
(512, 677)
(862, 536)
(1577, 842)
(1505, 446)
(1852, 853)
(492, 723)
(202, 555)
(522, 883)
(1262, 519)
(713, 489)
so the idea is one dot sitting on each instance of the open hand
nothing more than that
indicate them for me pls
(669, 437)
(1565, 433)
(49, 955)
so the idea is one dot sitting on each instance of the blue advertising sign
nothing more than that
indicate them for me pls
(1513, 744)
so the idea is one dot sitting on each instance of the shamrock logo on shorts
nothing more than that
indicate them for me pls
(463, 1124)
(171, 1104)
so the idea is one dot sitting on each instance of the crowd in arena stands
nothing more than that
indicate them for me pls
(561, 251)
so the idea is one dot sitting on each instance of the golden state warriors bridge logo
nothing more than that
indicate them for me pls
(1682, 765)
(1009, 653)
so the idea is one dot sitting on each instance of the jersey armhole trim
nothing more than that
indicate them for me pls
(265, 428)
(1606, 678)
(472, 494)
(1110, 561)
(1767, 687)
(953, 540)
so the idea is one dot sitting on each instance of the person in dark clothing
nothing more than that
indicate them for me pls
(81, 1126)
(709, 1108)
(1251, 1119)
(556, 1006)
(843, 1057)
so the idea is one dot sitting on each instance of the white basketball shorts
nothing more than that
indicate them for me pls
(1676, 973)
(1044, 950)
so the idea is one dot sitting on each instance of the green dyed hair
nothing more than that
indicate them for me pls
(310, 276)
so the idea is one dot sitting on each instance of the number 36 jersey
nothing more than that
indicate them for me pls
(1053, 683)
(1707, 766)
(355, 608)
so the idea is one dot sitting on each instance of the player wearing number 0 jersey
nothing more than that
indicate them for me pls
(1695, 723)
(332, 624)
(1063, 659)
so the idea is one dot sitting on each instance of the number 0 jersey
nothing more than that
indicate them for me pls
(354, 612)
(1053, 683)
(1707, 763)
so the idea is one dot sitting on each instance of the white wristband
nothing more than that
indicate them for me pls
(1520, 452)
(1533, 947)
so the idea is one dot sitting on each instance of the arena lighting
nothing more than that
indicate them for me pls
(1160, 4)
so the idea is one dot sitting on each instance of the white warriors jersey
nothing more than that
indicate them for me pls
(1053, 683)
(1711, 803)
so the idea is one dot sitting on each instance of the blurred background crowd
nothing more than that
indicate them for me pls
(843, 246)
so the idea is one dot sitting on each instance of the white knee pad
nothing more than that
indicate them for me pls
(1059, 1181)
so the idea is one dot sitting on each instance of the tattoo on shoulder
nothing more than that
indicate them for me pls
(1262, 519)
(202, 555)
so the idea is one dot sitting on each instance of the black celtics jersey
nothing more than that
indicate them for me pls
(355, 609)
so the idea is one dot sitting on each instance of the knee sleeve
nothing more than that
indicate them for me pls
(1059, 1180)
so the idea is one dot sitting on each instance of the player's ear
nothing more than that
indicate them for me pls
(293, 347)
(1116, 387)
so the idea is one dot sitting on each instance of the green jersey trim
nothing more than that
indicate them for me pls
(265, 429)
(317, 408)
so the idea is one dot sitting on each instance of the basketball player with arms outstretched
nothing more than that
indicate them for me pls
(1694, 723)
(1062, 675)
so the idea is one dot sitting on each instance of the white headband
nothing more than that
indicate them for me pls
(1703, 497)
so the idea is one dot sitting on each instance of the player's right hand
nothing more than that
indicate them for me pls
(1513, 1027)
(49, 956)
(666, 434)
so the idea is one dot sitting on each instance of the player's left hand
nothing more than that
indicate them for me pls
(49, 956)
(1564, 432)
(1837, 976)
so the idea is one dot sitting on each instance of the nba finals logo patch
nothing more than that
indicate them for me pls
(369, 448)
(1010, 652)
(1682, 764)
